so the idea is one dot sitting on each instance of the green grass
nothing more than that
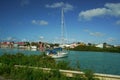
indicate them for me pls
(7, 69)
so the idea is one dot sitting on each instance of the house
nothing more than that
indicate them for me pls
(99, 45)
(21, 45)
(6, 44)
(15, 45)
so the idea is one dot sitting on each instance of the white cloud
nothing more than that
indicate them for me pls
(111, 39)
(68, 7)
(118, 22)
(65, 6)
(40, 22)
(10, 39)
(97, 34)
(34, 21)
(25, 2)
(86, 30)
(92, 13)
(111, 9)
(55, 5)
(23, 40)
(41, 37)
(114, 8)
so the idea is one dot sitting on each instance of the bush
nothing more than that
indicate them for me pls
(89, 74)
(63, 65)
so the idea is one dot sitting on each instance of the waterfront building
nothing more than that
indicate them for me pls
(99, 45)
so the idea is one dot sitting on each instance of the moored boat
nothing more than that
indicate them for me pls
(59, 52)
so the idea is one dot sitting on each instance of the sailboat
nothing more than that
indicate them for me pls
(59, 52)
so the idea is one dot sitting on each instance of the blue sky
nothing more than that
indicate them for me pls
(94, 21)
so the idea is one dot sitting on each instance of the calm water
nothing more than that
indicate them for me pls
(100, 62)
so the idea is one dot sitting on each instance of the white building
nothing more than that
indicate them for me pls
(99, 45)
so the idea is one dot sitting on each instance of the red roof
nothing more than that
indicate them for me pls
(20, 43)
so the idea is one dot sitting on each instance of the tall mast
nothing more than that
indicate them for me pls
(62, 25)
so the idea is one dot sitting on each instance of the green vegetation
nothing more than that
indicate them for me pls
(8, 70)
(93, 48)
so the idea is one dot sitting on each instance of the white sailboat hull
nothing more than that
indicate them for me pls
(60, 55)
(33, 47)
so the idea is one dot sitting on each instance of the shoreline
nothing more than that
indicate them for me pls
(69, 50)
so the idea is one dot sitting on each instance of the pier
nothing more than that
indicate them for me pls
(71, 73)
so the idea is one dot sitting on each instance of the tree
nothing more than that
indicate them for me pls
(104, 45)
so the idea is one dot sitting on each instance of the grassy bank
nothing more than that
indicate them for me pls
(8, 70)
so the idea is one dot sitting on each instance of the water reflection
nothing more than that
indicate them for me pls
(33, 49)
